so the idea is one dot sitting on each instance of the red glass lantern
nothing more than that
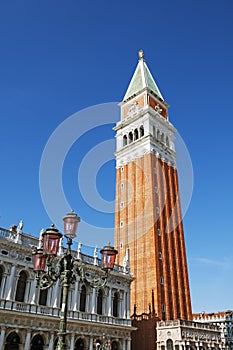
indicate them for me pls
(108, 257)
(39, 260)
(71, 221)
(51, 239)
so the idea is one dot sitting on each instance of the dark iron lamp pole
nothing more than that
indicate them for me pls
(49, 268)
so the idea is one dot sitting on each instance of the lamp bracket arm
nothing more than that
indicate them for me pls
(98, 282)
(54, 269)
(80, 269)
(45, 281)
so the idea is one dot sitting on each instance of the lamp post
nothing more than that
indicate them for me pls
(49, 268)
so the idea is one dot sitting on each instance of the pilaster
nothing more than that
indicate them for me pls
(56, 294)
(27, 340)
(91, 344)
(2, 337)
(75, 298)
(109, 302)
(51, 341)
(33, 292)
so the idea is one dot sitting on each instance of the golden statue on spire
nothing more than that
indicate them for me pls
(140, 54)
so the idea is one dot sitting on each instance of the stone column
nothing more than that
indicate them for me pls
(2, 337)
(128, 344)
(10, 283)
(49, 296)
(109, 302)
(27, 341)
(33, 293)
(120, 304)
(72, 342)
(88, 309)
(124, 311)
(128, 305)
(75, 300)
(3, 288)
(56, 294)
(93, 301)
(91, 344)
(106, 304)
(51, 341)
(28, 290)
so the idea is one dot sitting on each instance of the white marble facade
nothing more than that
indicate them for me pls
(223, 320)
(29, 318)
(188, 335)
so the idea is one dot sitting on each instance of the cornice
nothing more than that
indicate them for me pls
(11, 245)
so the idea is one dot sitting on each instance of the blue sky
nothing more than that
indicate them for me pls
(58, 58)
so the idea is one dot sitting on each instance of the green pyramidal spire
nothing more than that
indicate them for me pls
(142, 79)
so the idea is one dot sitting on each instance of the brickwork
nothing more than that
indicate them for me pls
(140, 102)
(158, 261)
(153, 103)
(145, 336)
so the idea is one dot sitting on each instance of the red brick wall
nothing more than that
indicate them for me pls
(136, 225)
(144, 338)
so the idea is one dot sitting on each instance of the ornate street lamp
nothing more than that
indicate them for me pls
(49, 268)
(39, 260)
(108, 257)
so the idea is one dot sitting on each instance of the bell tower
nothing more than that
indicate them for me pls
(148, 220)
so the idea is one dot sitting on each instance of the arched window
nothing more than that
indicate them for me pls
(167, 141)
(169, 344)
(82, 306)
(43, 297)
(141, 131)
(135, 134)
(37, 343)
(130, 137)
(21, 286)
(115, 304)
(154, 131)
(158, 134)
(114, 346)
(12, 342)
(79, 344)
(124, 140)
(100, 302)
